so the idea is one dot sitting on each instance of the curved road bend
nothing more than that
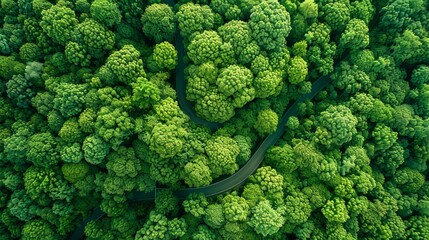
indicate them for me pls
(230, 182)
(250, 167)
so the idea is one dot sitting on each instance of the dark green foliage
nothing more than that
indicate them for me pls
(93, 113)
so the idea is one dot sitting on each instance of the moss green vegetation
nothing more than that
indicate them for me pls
(89, 114)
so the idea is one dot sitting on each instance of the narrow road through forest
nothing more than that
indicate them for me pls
(232, 181)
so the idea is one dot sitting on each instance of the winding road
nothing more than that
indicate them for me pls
(230, 182)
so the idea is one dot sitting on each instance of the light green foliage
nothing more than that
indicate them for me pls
(309, 9)
(123, 162)
(214, 217)
(95, 149)
(235, 208)
(69, 98)
(86, 120)
(222, 152)
(317, 195)
(20, 90)
(99, 118)
(282, 158)
(106, 12)
(279, 60)
(77, 54)
(297, 208)
(155, 228)
(340, 124)
(269, 180)
(384, 137)
(237, 33)
(228, 9)
(167, 140)
(42, 150)
(74, 172)
(126, 64)
(37, 229)
(165, 56)
(350, 78)
(214, 107)
(335, 211)
(94, 230)
(70, 131)
(114, 125)
(196, 204)
(297, 70)
(194, 18)
(177, 228)
(197, 174)
(204, 47)
(249, 52)
(267, 84)
(245, 145)
(203, 233)
(355, 36)
(164, 173)
(233, 79)
(363, 182)
(167, 109)
(345, 188)
(270, 24)
(320, 52)
(260, 64)
(158, 22)
(95, 36)
(407, 46)
(10, 67)
(40, 183)
(36, 181)
(336, 15)
(145, 93)
(363, 9)
(59, 23)
(265, 220)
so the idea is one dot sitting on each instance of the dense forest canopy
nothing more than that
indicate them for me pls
(89, 114)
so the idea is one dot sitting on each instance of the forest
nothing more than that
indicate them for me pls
(214, 119)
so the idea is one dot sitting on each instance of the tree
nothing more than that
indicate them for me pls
(158, 22)
(335, 210)
(235, 208)
(340, 124)
(194, 18)
(106, 12)
(270, 24)
(204, 47)
(126, 64)
(59, 23)
(42, 150)
(215, 216)
(222, 152)
(165, 56)
(265, 220)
